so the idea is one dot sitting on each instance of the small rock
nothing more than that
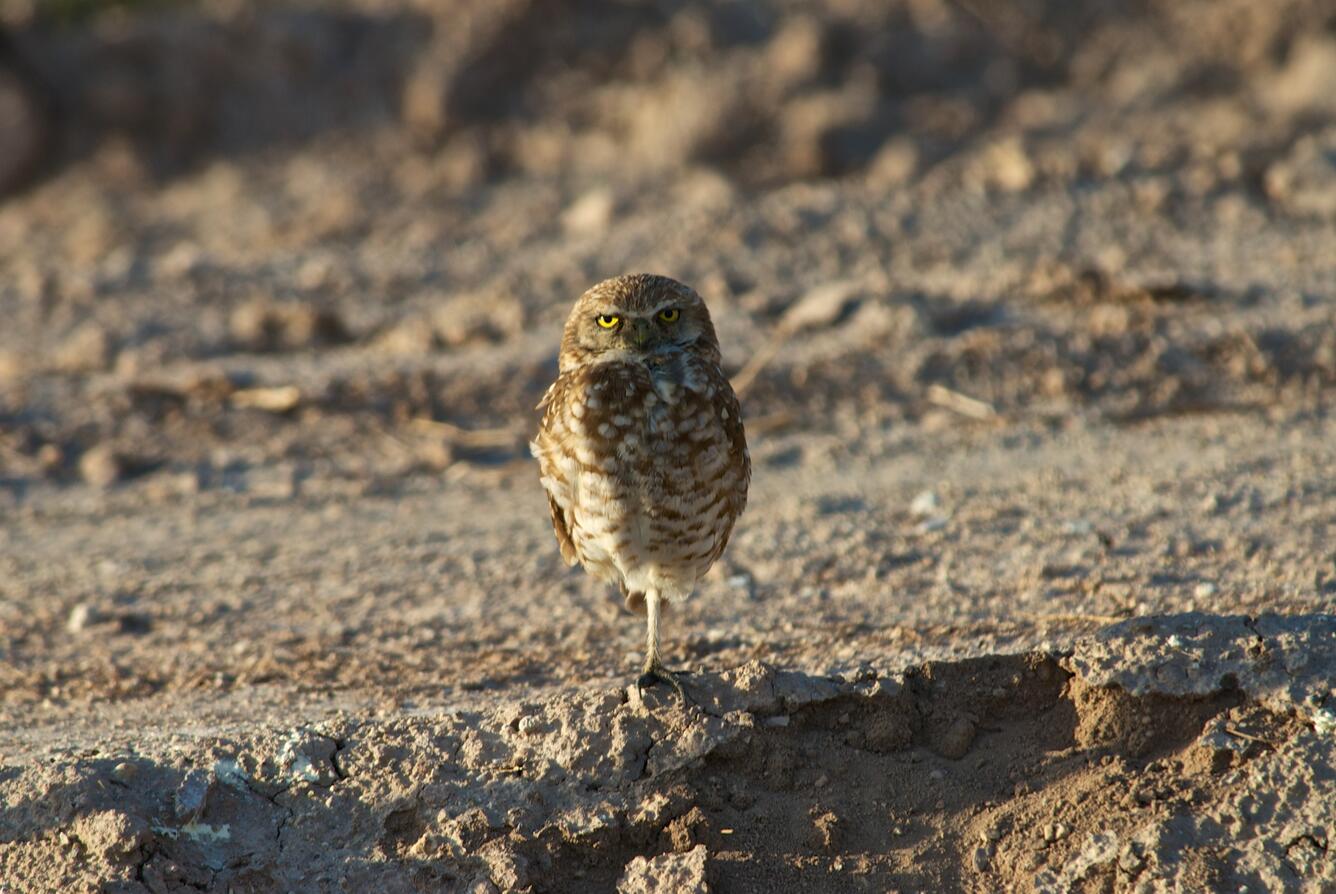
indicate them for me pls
(821, 306)
(530, 724)
(180, 261)
(981, 859)
(1204, 590)
(688, 830)
(956, 741)
(102, 466)
(894, 164)
(309, 757)
(793, 56)
(925, 504)
(191, 796)
(1054, 832)
(741, 582)
(125, 772)
(666, 874)
(1005, 166)
(936, 523)
(280, 399)
(83, 616)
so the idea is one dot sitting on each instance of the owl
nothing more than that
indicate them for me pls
(641, 448)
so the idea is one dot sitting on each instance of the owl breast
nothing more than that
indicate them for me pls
(646, 469)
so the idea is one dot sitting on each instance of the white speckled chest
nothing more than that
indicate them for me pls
(647, 469)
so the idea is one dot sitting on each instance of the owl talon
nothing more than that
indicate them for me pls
(660, 674)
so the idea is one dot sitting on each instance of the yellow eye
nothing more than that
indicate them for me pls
(608, 321)
(670, 314)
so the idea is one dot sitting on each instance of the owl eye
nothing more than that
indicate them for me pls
(670, 314)
(608, 321)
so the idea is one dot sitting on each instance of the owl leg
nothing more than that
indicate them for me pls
(654, 671)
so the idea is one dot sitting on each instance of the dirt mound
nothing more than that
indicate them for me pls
(1023, 772)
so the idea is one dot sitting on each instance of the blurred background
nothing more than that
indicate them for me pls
(187, 182)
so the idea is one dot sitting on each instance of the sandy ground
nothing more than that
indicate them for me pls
(1034, 315)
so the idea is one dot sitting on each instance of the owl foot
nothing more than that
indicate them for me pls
(657, 673)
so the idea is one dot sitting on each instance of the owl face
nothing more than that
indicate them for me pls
(637, 318)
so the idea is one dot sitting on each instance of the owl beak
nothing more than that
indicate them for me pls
(641, 331)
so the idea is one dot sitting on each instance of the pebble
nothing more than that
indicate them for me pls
(81, 617)
(955, 742)
(925, 504)
(191, 795)
(740, 582)
(1054, 832)
(1204, 590)
(280, 399)
(125, 772)
(180, 261)
(936, 523)
(530, 724)
(1005, 166)
(101, 466)
(821, 306)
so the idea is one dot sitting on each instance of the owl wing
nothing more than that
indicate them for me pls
(545, 448)
(738, 469)
(563, 531)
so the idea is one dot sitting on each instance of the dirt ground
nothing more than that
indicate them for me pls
(1032, 306)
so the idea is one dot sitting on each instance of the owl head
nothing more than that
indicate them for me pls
(639, 316)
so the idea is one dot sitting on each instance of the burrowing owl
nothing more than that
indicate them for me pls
(641, 447)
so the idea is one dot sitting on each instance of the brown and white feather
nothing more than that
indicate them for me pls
(643, 455)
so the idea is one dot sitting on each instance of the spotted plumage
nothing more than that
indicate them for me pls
(641, 447)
